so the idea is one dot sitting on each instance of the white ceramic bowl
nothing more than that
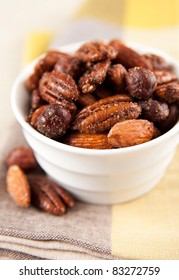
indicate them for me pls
(98, 176)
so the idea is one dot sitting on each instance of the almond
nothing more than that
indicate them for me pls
(88, 141)
(18, 186)
(130, 132)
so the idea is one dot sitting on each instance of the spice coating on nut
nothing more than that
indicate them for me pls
(154, 110)
(168, 92)
(95, 52)
(94, 77)
(53, 121)
(89, 86)
(100, 117)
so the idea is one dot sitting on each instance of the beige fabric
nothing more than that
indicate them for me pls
(83, 233)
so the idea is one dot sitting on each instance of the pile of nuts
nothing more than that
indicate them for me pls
(27, 184)
(104, 96)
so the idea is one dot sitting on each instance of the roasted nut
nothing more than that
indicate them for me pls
(23, 157)
(69, 65)
(36, 100)
(168, 92)
(127, 56)
(87, 90)
(157, 62)
(70, 106)
(58, 85)
(45, 64)
(116, 76)
(51, 120)
(95, 51)
(164, 76)
(64, 195)
(153, 110)
(63, 63)
(48, 196)
(32, 82)
(171, 120)
(130, 132)
(33, 116)
(141, 82)
(93, 77)
(87, 141)
(59, 88)
(18, 186)
(103, 114)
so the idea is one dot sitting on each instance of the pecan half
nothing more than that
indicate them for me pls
(103, 114)
(130, 132)
(23, 157)
(93, 77)
(127, 56)
(168, 92)
(51, 120)
(18, 186)
(141, 82)
(48, 196)
(95, 51)
(87, 141)
(57, 85)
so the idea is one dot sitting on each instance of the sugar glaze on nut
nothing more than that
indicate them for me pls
(78, 98)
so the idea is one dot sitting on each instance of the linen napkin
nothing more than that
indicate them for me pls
(83, 233)
(146, 228)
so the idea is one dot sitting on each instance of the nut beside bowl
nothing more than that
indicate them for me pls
(98, 176)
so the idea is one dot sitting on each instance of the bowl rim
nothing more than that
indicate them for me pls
(77, 150)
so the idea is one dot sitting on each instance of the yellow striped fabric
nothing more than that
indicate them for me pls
(151, 14)
(148, 227)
